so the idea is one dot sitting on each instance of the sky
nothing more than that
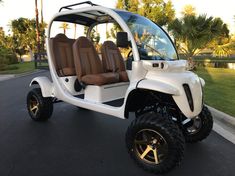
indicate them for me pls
(13, 9)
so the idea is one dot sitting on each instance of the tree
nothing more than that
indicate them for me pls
(188, 10)
(129, 5)
(24, 35)
(42, 28)
(158, 11)
(6, 54)
(193, 33)
(64, 26)
(37, 26)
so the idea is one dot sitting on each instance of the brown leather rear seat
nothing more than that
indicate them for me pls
(88, 66)
(62, 55)
(113, 60)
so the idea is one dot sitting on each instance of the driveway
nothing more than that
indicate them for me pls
(82, 142)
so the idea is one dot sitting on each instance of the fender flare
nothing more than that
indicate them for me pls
(45, 85)
(158, 86)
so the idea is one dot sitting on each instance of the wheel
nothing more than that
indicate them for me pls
(39, 107)
(155, 142)
(198, 128)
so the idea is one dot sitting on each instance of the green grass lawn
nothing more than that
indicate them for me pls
(220, 88)
(18, 68)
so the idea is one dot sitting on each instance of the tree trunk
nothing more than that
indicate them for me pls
(31, 54)
(42, 23)
(37, 26)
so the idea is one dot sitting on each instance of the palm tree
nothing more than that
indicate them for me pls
(42, 26)
(193, 33)
(64, 26)
(37, 26)
(188, 10)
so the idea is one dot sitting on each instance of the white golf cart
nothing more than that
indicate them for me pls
(150, 81)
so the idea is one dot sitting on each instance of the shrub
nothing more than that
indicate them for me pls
(7, 56)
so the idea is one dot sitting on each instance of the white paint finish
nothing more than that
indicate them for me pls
(62, 93)
(138, 71)
(45, 85)
(105, 93)
(168, 66)
(168, 80)
(158, 86)
(203, 83)
(177, 79)
(69, 85)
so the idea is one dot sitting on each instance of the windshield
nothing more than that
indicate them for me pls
(153, 43)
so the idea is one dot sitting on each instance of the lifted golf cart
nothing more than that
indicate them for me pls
(150, 81)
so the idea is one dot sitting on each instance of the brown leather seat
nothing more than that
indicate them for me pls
(62, 55)
(113, 60)
(88, 65)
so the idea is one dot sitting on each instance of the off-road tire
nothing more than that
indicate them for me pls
(45, 105)
(161, 123)
(205, 130)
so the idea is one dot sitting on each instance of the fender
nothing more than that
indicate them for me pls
(45, 85)
(158, 86)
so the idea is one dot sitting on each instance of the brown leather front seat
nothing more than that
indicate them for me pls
(113, 60)
(62, 55)
(88, 65)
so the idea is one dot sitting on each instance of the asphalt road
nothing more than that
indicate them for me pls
(80, 142)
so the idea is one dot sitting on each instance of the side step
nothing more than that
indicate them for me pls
(115, 103)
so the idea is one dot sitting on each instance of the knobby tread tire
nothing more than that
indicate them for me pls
(168, 129)
(207, 125)
(45, 105)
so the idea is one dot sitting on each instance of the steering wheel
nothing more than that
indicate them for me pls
(140, 47)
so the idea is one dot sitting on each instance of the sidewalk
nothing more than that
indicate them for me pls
(224, 124)
(6, 77)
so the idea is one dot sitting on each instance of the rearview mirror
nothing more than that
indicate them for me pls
(122, 40)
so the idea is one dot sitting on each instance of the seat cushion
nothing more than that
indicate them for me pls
(111, 57)
(62, 55)
(100, 79)
(86, 59)
(123, 77)
(68, 71)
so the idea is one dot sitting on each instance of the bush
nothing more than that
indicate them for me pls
(7, 57)
(2, 63)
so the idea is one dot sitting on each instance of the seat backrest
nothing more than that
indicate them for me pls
(86, 58)
(62, 55)
(111, 57)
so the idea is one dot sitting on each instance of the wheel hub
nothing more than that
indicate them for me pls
(150, 146)
(34, 105)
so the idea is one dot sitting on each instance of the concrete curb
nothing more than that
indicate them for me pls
(11, 76)
(224, 124)
(29, 73)
(223, 117)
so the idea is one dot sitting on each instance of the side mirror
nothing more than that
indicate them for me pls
(122, 40)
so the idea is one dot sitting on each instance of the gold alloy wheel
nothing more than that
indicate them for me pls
(150, 146)
(34, 105)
